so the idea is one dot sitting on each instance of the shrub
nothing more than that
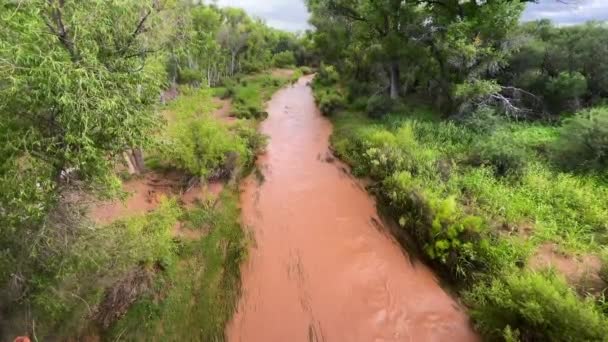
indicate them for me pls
(204, 147)
(327, 76)
(224, 92)
(565, 88)
(379, 105)
(329, 101)
(583, 141)
(502, 153)
(535, 306)
(189, 76)
(254, 140)
(249, 112)
(483, 120)
(284, 59)
(297, 74)
(306, 70)
(445, 234)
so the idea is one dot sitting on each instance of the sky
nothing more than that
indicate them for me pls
(292, 15)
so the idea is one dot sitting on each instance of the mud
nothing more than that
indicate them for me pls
(144, 195)
(582, 272)
(322, 267)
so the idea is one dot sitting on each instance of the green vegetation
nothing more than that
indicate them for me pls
(486, 140)
(251, 94)
(80, 84)
(201, 145)
(478, 206)
(195, 297)
(535, 306)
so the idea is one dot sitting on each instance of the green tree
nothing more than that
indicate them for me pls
(73, 97)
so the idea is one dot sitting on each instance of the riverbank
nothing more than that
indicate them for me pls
(488, 211)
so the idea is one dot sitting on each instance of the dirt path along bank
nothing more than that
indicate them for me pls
(321, 267)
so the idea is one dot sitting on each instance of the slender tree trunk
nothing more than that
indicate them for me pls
(138, 155)
(395, 76)
(232, 61)
(129, 162)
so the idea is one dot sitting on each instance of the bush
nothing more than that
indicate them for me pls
(254, 140)
(204, 147)
(306, 70)
(327, 76)
(483, 121)
(565, 90)
(583, 141)
(189, 76)
(503, 154)
(330, 101)
(249, 112)
(224, 92)
(537, 307)
(284, 59)
(379, 105)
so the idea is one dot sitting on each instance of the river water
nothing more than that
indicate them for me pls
(321, 266)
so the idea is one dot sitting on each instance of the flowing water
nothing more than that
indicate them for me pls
(321, 267)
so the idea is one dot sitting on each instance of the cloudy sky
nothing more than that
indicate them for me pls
(292, 15)
(567, 14)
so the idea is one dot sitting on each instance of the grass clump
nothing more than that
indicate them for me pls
(198, 295)
(252, 92)
(535, 307)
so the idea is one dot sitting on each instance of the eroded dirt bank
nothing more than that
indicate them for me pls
(321, 267)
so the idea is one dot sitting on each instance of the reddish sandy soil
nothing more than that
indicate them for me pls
(282, 72)
(582, 272)
(145, 193)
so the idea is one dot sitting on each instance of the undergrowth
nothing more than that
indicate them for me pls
(478, 198)
(250, 94)
(196, 297)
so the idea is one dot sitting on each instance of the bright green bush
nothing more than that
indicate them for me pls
(205, 147)
(538, 307)
(284, 59)
(583, 141)
(254, 140)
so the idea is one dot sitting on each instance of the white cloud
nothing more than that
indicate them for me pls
(290, 15)
(573, 12)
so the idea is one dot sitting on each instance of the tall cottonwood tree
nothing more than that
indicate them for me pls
(457, 43)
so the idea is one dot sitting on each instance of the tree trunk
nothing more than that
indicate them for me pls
(232, 61)
(138, 155)
(395, 75)
(129, 162)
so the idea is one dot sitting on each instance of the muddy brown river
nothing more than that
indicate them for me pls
(321, 267)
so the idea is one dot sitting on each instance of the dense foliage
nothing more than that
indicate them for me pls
(476, 132)
(81, 89)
